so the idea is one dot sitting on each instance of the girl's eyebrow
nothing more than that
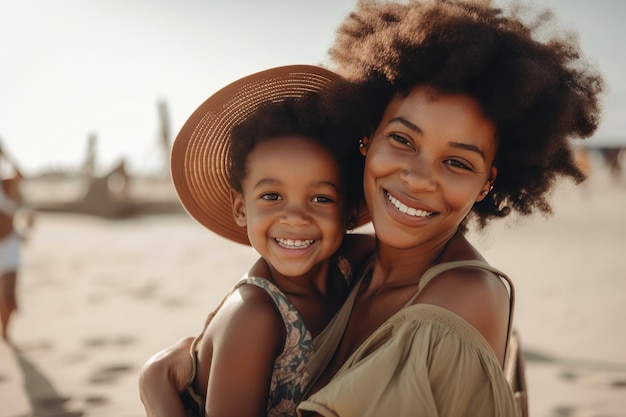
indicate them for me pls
(265, 182)
(273, 182)
(416, 129)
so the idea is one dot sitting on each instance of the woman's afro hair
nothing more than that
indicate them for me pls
(530, 81)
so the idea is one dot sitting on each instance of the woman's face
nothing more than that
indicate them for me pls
(427, 163)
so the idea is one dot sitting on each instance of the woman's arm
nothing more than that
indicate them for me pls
(163, 378)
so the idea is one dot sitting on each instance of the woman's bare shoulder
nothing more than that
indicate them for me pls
(476, 295)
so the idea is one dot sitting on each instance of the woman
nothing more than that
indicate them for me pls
(476, 117)
(9, 243)
(470, 115)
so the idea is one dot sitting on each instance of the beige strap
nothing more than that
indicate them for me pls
(438, 269)
(327, 341)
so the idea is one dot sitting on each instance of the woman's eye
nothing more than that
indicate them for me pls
(400, 140)
(457, 164)
(271, 196)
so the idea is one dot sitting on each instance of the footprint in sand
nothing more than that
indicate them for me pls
(42, 345)
(100, 342)
(619, 384)
(123, 340)
(598, 378)
(56, 406)
(565, 411)
(95, 342)
(147, 291)
(95, 400)
(109, 374)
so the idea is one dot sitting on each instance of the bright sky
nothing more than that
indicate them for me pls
(69, 68)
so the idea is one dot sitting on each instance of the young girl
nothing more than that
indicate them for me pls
(294, 189)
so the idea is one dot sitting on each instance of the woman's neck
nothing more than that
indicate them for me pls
(395, 266)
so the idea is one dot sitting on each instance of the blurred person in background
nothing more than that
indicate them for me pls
(10, 239)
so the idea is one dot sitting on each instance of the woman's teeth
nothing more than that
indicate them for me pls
(294, 244)
(406, 209)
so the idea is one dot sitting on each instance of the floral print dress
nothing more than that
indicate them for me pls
(290, 377)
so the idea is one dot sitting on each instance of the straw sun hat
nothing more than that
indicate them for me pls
(199, 160)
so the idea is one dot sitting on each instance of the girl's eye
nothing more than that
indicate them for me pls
(271, 197)
(322, 199)
(458, 164)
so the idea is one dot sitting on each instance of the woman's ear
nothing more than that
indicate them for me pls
(363, 145)
(239, 208)
(488, 184)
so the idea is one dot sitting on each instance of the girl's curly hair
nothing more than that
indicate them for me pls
(314, 116)
(530, 81)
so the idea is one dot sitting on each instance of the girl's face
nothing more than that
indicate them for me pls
(291, 204)
(428, 162)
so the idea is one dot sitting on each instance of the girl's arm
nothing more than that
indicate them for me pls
(242, 342)
(164, 376)
(235, 361)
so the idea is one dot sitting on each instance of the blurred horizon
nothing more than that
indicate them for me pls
(74, 69)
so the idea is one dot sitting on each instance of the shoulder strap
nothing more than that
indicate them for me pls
(198, 398)
(446, 266)
(438, 269)
(246, 279)
(270, 288)
(193, 350)
(327, 341)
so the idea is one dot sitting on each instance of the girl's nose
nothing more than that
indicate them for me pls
(295, 215)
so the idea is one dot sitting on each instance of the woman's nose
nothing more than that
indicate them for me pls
(419, 176)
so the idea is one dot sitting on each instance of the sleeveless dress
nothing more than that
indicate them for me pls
(424, 361)
(9, 244)
(297, 364)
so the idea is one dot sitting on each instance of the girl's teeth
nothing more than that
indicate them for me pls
(406, 209)
(294, 244)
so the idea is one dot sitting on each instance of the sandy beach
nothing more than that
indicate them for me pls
(98, 297)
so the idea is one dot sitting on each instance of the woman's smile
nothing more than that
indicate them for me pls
(403, 208)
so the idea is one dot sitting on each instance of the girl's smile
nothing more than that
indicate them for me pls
(291, 204)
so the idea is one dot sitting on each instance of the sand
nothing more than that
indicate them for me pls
(98, 297)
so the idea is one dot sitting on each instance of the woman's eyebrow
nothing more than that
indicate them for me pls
(416, 129)
(467, 147)
(406, 123)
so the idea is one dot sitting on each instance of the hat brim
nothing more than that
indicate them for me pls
(199, 158)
